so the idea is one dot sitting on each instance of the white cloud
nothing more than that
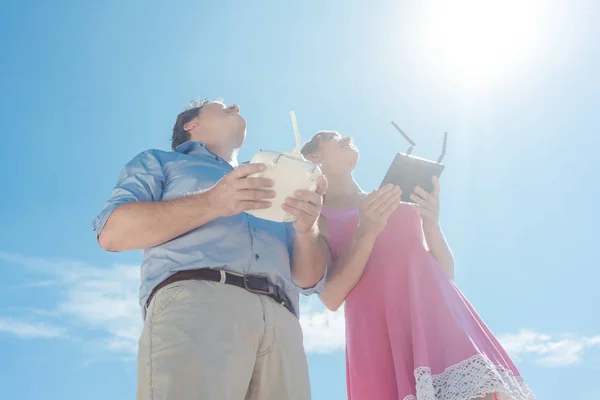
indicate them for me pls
(104, 303)
(107, 301)
(323, 330)
(29, 330)
(101, 301)
(547, 350)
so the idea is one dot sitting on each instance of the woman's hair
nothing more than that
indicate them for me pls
(313, 144)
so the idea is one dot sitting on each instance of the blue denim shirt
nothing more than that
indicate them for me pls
(240, 243)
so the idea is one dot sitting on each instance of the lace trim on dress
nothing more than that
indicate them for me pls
(472, 378)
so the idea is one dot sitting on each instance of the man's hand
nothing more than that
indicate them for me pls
(307, 207)
(377, 208)
(428, 204)
(236, 192)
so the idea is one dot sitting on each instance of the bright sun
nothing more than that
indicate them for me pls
(481, 40)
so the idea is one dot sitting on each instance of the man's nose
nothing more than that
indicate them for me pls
(234, 107)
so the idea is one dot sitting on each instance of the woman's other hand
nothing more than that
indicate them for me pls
(377, 208)
(428, 205)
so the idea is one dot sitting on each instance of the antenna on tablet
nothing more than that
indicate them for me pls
(412, 144)
(443, 148)
(405, 136)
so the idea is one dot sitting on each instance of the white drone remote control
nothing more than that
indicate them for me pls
(290, 172)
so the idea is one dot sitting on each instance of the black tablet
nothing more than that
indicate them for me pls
(408, 171)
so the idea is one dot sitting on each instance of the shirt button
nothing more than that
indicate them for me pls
(253, 229)
(256, 256)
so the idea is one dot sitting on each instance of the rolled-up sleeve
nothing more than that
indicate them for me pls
(141, 179)
(318, 288)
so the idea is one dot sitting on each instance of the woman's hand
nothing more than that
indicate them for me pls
(377, 208)
(428, 205)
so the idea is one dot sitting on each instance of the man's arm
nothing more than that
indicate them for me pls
(141, 225)
(135, 219)
(310, 258)
(310, 252)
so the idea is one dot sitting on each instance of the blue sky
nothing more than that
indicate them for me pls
(87, 85)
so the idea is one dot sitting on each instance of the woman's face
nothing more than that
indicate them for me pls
(336, 154)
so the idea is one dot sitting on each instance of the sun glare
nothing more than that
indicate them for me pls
(481, 40)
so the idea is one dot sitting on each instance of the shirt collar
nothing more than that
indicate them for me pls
(192, 148)
(198, 149)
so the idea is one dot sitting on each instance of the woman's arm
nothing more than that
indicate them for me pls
(347, 270)
(439, 249)
(429, 208)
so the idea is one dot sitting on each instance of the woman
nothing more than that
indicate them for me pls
(410, 333)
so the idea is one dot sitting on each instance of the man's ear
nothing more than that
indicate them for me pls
(193, 124)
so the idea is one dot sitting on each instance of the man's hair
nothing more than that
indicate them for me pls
(313, 144)
(180, 135)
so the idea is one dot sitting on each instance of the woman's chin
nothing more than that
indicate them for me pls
(353, 159)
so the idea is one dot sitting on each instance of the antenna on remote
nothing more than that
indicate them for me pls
(409, 140)
(296, 133)
(443, 148)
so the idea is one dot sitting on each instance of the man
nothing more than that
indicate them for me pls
(219, 290)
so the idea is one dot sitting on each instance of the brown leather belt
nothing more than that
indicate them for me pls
(253, 283)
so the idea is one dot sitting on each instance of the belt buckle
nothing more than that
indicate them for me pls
(257, 291)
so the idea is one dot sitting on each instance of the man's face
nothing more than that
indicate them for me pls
(220, 124)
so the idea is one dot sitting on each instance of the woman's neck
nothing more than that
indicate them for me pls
(342, 191)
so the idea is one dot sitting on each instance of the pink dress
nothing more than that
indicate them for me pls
(410, 332)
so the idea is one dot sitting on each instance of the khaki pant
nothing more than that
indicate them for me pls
(206, 340)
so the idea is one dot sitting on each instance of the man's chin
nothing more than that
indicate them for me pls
(240, 125)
